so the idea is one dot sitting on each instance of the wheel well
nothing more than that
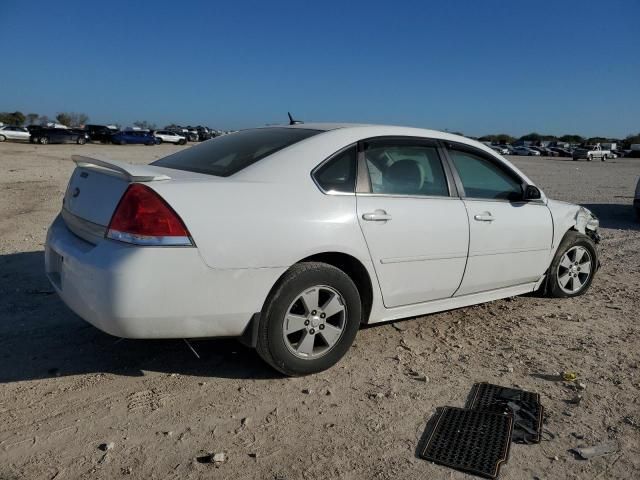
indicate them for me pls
(356, 271)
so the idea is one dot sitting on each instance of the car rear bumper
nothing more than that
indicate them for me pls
(152, 292)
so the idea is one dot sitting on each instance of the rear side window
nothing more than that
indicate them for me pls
(338, 174)
(226, 155)
(405, 169)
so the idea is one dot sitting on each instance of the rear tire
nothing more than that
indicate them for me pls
(81, 141)
(309, 320)
(44, 140)
(603, 158)
(568, 276)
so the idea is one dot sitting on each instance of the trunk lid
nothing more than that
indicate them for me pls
(94, 190)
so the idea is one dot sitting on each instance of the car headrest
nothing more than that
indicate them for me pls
(405, 176)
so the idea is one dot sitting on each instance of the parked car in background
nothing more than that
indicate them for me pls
(204, 134)
(562, 152)
(160, 251)
(192, 135)
(133, 137)
(619, 153)
(536, 149)
(58, 135)
(502, 150)
(591, 152)
(100, 133)
(169, 137)
(14, 133)
(548, 152)
(525, 151)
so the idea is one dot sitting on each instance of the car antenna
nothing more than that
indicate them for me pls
(292, 121)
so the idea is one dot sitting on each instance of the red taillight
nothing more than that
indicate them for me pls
(144, 218)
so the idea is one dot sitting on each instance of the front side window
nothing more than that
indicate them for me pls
(482, 178)
(226, 155)
(339, 173)
(405, 169)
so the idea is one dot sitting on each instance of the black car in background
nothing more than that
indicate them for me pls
(100, 133)
(33, 132)
(58, 135)
(562, 152)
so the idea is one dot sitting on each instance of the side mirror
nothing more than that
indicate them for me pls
(532, 192)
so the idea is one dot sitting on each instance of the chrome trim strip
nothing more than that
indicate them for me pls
(86, 230)
(423, 258)
(512, 250)
(418, 197)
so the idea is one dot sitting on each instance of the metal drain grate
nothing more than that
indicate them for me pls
(473, 441)
(525, 406)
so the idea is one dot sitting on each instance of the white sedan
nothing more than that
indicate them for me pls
(292, 237)
(170, 137)
(14, 133)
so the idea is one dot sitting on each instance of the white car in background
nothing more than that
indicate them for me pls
(525, 151)
(502, 150)
(292, 237)
(14, 133)
(169, 137)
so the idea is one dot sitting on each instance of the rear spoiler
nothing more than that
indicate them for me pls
(132, 173)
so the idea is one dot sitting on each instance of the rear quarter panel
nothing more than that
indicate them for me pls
(243, 224)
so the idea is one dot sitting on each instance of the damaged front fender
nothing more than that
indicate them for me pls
(568, 216)
(587, 223)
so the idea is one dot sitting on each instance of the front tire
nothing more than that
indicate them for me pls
(2, 138)
(81, 141)
(309, 320)
(44, 140)
(573, 267)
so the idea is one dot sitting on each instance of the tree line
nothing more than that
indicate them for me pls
(68, 119)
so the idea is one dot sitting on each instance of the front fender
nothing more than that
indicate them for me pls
(569, 216)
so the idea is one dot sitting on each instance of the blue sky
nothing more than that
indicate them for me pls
(472, 66)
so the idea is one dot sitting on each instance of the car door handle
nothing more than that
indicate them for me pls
(377, 216)
(484, 217)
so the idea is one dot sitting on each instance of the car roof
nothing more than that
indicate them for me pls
(380, 129)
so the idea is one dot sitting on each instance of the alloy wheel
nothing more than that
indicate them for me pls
(574, 270)
(314, 322)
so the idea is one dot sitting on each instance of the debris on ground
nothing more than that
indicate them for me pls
(595, 451)
(218, 458)
(106, 446)
(576, 400)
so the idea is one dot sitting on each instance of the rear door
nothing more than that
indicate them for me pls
(510, 239)
(414, 223)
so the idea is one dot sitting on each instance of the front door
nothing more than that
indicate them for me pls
(417, 232)
(510, 239)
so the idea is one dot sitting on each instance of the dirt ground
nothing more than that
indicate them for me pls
(66, 388)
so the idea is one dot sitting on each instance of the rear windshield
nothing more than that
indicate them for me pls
(226, 155)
